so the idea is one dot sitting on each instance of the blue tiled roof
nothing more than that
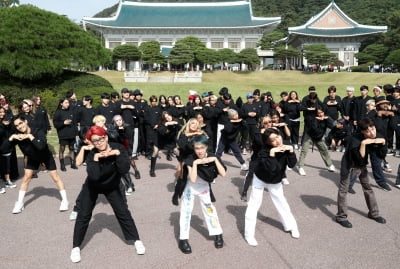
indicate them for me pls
(190, 15)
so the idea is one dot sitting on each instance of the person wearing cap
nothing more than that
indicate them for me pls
(251, 115)
(114, 97)
(206, 97)
(106, 163)
(106, 108)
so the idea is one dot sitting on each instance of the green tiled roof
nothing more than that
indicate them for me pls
(336, 32)
(189, 15)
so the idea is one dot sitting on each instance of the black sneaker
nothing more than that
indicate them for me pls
(389, 152)
(351, 190)
(345, 223)
(378, 219)
(384, 186)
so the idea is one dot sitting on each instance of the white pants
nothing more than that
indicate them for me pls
(201, 189)
(135, 142)
(220, 127)
(279, 200)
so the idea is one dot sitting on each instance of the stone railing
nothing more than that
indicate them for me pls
(136, 76)
(143, 76)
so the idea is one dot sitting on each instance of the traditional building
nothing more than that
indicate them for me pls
(217, 24)
(332, 27)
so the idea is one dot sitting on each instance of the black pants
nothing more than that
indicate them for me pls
(115, 197)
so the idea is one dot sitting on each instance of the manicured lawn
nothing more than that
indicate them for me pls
(241, 83)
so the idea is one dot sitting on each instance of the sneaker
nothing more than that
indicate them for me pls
(18, 207)
(397, 153)
(252, 241)
(331, 168)
(244, 167)
(288, 168)
(351, 190)
(11, 185)
(129, 191)
(285, 181)
(345, 223)
(378, 219)
(386, 167)
(243, 197)
(295, 234)
(84, 164)
(73, 215)
(75, 255)
(384, 186)
(140, 249)
(389, 152)
(2, 190)
(397, 186)
(244, 151)
(64, 205)
(296, 147)
(301, 171)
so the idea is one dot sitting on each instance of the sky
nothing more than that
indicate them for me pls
(74, 9)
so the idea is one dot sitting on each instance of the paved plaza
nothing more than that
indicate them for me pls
(41, 236)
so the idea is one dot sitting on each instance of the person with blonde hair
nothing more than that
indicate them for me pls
(190, 130)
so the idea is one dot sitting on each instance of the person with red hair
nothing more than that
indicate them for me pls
(106, 163)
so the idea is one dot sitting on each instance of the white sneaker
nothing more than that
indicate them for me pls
(140, 249)
(244, 151)
(301, 171)
(244, 167)
(73, 215)
(64, 205)
(11, 185)
(2, 190)
(295, 234)
(76, 255)
(331, 168)
(288, 168)
(285, 181)
(18, 207)
(128, 191)
(252, 241)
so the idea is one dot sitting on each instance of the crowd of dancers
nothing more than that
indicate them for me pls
(108, 140)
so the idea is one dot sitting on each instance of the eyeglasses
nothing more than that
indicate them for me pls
(99, 141)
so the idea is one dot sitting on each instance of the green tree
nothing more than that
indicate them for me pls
(271, 40)
(373, 53)
(207, 56)
(35, 43)
(184, 51)
(318, 54)
(282, 53)
(151, 53)
(227, 56)
(393, 59)
(249, 57)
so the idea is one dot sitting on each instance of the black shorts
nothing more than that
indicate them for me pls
(49, 163)
(66, 142)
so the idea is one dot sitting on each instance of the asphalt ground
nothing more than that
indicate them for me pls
(41, 236)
